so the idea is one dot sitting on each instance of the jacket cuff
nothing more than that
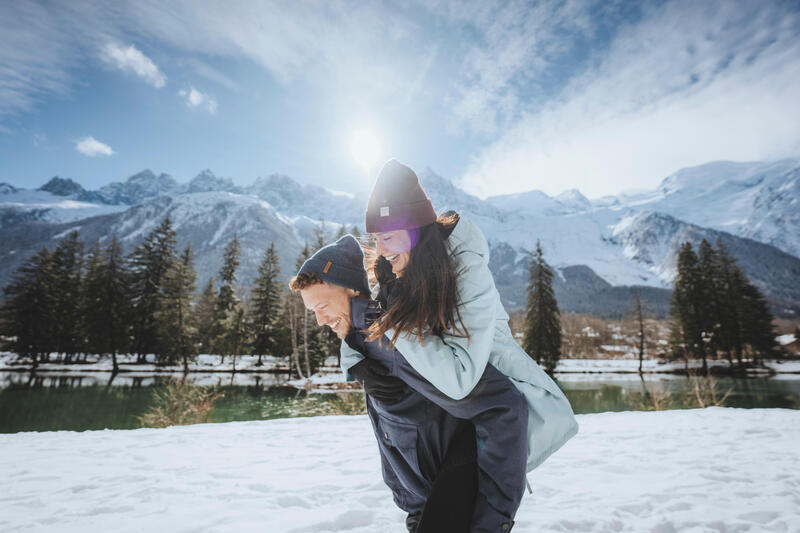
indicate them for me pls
(487, 519)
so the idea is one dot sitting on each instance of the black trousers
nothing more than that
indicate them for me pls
(449, 506)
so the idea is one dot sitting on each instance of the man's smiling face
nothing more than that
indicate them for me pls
(331, 305)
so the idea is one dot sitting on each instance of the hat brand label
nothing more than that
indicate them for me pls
(327, 267)
(385, 211)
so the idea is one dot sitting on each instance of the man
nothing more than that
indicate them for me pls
(430, 456)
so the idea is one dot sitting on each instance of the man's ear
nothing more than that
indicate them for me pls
(351, 293)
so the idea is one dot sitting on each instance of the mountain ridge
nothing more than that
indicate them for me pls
(628, 241)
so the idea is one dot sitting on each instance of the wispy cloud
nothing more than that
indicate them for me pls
(131, 59)
(89, 146)
(35, 56)
(689, 83)
(197, 100)
(212, 74)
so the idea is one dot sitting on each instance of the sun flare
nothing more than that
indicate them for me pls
(364, 147)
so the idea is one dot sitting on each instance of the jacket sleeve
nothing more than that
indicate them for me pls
(453, 363)
(350, 357)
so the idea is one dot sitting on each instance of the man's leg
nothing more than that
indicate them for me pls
(450, 504)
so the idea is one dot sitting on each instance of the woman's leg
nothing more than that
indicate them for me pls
(450, 503)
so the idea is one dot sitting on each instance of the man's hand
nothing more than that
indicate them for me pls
(377, 382)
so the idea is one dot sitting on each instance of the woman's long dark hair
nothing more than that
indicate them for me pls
(424, 299)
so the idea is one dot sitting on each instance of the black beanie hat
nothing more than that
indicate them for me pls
(340, 263)
(398, 201)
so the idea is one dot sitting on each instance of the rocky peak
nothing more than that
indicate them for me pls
(207, 181)
(61, 187)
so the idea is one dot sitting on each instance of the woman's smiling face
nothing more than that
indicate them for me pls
(395, 246)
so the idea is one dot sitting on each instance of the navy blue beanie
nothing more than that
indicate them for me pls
(340, 263)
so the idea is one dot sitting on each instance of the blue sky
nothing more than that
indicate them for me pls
(500, 97)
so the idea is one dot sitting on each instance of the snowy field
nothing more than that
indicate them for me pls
(716, 469)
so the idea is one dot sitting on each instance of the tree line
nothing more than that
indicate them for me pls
(72, 301)
(716, 312)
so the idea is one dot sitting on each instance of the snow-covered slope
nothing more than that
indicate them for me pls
(24, 205)
(206, 220)
(756, 200)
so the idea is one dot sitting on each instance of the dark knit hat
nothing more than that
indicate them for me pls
(398, 201)
(340, 263)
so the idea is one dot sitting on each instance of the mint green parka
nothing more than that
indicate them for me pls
(454, 364)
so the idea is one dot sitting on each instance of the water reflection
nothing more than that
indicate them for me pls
(48, 402)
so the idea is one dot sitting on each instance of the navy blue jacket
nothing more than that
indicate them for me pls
(495, 407)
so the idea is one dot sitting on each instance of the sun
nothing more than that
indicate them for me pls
(365, 148)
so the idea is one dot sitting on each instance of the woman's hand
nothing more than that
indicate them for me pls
(377, 382)
(387, 280)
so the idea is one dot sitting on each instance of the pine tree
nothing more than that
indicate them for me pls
(27, 318)
(355, 233)
(319, 236)
(149, 264)
(730, 304)
(686, 308)
(746, 318)
(67, 272)
(711, 292)
(757, 330)
(106, 301)
(542, 322)
(205, 315)
(268, 332)
(227, 302)
(175, 316)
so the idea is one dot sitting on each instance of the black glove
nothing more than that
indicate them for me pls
(377, 382)
(387, 280)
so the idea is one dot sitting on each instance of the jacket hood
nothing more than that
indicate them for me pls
(467, 237)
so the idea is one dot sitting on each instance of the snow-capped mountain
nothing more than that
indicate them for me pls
(756, 200)
(600, 248)
(207, 181)
(293, 198)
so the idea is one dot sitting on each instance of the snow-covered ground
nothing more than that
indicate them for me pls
(713, 469)
(127, 363)
(654, 365)
(248, 363)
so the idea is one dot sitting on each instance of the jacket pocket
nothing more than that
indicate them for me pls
(398, 435)
(398, 443)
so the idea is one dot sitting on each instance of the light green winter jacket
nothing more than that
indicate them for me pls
(454, 364)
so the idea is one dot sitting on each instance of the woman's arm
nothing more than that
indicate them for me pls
(452, 363)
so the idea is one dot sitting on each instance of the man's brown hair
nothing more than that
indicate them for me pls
(306, 279)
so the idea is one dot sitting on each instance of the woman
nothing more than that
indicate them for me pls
(444, 315)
